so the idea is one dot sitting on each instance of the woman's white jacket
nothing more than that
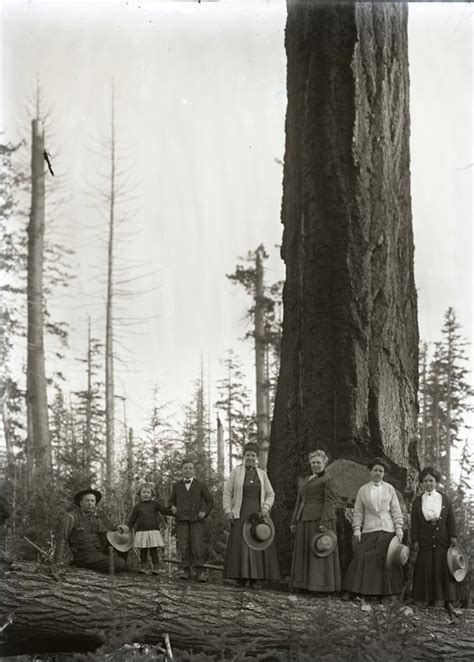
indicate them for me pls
(234, 486)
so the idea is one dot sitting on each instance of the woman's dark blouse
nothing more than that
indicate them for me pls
(316, 500)
(430, 535)
(144, 515)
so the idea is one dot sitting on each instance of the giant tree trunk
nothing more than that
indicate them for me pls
(215, 617)
(39, 442)
(348, 377)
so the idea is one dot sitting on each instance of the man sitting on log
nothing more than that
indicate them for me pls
(84, 531)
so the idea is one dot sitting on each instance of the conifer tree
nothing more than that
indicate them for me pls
(234, 405)
(90, 406)
(159, 451)
(12, 290)
(423, 401)
(266, 332)
(197, 431)
(449, 395)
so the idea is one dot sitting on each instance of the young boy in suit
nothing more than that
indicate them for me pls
(190, 502)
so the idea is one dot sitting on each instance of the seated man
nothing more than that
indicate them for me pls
(84, 531)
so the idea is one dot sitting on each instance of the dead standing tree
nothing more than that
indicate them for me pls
(251, 277)
(261, 381)
(348, 378)
(39, 442)
(114, 194)
(109, 340)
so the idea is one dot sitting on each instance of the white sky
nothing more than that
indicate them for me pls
(200, 109)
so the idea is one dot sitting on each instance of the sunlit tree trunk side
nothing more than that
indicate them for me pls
(39, 442)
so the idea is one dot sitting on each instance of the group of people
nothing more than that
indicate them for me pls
(379, 554)
(96, 543)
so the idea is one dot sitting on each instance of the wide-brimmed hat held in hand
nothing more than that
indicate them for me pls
(258, 532)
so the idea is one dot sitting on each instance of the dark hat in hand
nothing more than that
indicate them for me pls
(258, 532)
(89, 490)
(324, 543)
(457, 562)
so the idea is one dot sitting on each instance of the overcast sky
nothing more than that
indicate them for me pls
(200, 109)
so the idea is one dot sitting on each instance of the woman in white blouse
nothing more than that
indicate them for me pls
(433, 530)
(377, 518)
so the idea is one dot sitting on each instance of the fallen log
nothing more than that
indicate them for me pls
(209, 617)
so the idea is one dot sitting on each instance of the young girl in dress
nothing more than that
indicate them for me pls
(144, 518)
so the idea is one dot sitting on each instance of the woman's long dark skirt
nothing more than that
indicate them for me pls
(367, 573)
(432, 580)
(311, 572)
(240, 561)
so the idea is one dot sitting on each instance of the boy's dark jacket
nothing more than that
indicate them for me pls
(190, 502)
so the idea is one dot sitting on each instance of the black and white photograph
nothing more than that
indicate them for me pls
(236, 290)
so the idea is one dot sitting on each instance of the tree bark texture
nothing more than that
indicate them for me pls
(213, 617)
(39, 442)
(349, 376)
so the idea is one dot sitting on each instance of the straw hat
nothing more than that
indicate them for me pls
(258, 532)
(123, 542)
(397, 553)
(323, 543)
(457, 562)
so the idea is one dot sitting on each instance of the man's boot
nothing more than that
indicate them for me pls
(185, 573)
(201, 575)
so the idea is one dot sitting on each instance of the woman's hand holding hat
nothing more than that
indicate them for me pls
(453, 540)
(399, 533)
(123, 528)
(264, 511)
(229, 517)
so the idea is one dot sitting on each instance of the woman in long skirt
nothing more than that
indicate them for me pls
(314, 512)
(376, 519)
(433, 531)
(248, 491)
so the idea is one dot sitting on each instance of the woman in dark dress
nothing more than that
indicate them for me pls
(433, 531)
(248, 491)
(377, 518)
(314, 511)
